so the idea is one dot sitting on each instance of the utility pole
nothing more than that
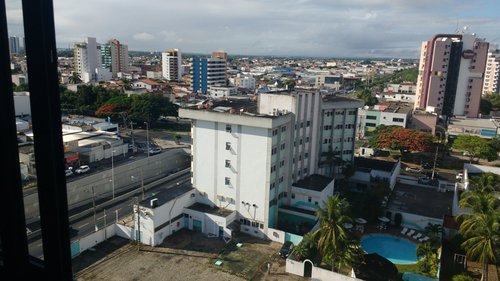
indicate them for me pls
(142, 184)
(147, 136)
(105, 231)
(435, 160)
(132, 133)
(113, 173)
(138, 224)
(93, 207)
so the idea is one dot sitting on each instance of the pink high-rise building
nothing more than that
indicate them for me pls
(451, 72)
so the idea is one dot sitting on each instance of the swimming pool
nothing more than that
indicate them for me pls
(397, 250)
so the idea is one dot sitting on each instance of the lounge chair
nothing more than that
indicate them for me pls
(411, 232)
(418, 235)
(404, 230)
(423, 239)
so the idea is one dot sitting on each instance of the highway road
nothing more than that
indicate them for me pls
(107, 212)
(110, 182)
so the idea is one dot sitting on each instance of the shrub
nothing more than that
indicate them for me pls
(462, 277)
(398, 218)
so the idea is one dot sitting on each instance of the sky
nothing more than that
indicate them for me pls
(315, 28)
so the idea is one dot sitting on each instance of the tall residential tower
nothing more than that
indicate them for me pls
(114, 56)
(172, 64)
(491, 82)
(450, 76)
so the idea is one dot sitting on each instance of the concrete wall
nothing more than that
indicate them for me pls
(317, 273)
(276, 235)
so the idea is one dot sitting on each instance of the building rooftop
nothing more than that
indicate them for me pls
(474, 122)
(421, 201)
(167, 195)
(210, 210)
(314, 182)
(393, 107)
(375, 164)
(332, 98)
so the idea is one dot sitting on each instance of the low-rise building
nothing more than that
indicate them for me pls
(369, 172)
(218, 92)
(389, 114)
(485, 128)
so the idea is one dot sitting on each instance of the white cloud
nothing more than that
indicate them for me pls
(144, 36)
(347, 28)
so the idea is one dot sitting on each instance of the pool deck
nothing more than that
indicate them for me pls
(392, 230)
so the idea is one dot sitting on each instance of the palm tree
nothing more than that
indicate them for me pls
(434, 231)
(428, 253)
(482, 233)
(331, 235)
(75, 78)
(478, 202)
(486, 182)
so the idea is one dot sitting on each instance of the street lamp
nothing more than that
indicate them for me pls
(93, 207)
(147, 135)
(113, 173)
(142, 183)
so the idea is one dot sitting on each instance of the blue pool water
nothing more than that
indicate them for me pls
(407, 276)
(397, 250)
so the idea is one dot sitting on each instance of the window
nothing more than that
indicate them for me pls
(281, 180)
(293, 195)
(300, 141)
(228, 128)
(285, 194)
(371, 125)
(273, 185)
(307, 139)
(227, 181)
(282, 163)
(283, 129)
(370, 117)
(398, 120)
(283, 146)
(308, 123)
(309, 199)
(302, 124)
(352, 112)
(306, 155)
(274, 150)
(228, 146)
(305, 170)
(275, 132)
(273, 168)
(228, 163)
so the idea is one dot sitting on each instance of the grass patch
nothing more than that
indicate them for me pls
(245, 261)
(402, 268)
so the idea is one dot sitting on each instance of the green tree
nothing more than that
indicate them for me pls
(429, 258)
(331, 236)
(306, 248)
(462, 277)
(367, 97)
(22, 88)
(75, 78)
(475, 148)
(150, 106)
(487, 182)
(482, 233)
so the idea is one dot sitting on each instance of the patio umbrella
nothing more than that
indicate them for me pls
(347, 225)
(384, 219)
(360, 220)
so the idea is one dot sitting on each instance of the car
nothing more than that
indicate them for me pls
(82, 169)
(69, 172)
(424, 180)
(414, 169)
(459, 176)
(153, 151)
(426, 165)
(286, 249)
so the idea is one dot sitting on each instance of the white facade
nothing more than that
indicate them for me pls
(491, 75)
(172, 65)
(157, 223)
(22, 103)
(240, 161)
(85, 58)
(218, 92)
(247, 82)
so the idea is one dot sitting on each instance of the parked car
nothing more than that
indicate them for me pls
(414, 169)
(424, 180)
(153, 151)
(427, 165)
(286, 249)
(82, 169)
(69, 172)
(459, 176)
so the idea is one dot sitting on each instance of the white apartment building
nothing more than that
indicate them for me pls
(218, 92)
(85, 56)
(492, 72)
(246, 156)
(172, 64)
(247, 82)
(240, 161)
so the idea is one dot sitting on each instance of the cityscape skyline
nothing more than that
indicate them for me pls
(302, 28)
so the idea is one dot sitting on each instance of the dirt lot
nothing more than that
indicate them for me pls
(183, 256)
